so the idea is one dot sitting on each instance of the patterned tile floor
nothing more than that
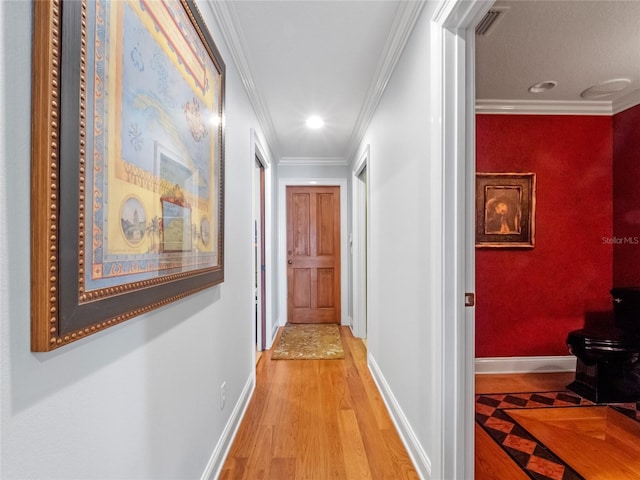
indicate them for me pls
(535, 459)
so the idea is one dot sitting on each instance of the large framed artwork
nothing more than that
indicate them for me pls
(127, 163)
(505, 210)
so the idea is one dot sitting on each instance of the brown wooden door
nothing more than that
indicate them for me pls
(313, 254)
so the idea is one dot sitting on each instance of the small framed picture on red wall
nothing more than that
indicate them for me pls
(505, 210)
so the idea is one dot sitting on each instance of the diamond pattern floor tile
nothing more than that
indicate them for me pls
(533, 457)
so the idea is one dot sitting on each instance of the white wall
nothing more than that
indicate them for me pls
(314, 171)
(141, 399)
(405, 211)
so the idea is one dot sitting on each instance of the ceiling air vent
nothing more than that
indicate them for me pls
(606, 88)
(490, 20)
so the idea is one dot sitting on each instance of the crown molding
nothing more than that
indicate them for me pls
(443, 11)
(227, 18)
(317, 161)
(403, 23)
(630, 100)
(535, 107)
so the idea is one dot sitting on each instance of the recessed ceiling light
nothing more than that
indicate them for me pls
(606, 88)
(315, 122)
(542, 86)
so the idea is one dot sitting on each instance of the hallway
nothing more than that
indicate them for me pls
(164, 391)
(317, 419)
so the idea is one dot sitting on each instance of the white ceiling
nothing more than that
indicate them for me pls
(314, 58)
(333, 59)
(317, 57)
(575, 43)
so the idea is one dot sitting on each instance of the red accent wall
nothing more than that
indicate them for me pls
(528, 300)
(626, 197)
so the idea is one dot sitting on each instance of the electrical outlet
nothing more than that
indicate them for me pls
(223, 395)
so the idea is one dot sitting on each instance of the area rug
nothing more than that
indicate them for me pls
(537, 460)
(309, 342)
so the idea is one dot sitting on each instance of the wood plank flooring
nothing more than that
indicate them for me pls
(320, 419)
(317, 419)
(529, 382)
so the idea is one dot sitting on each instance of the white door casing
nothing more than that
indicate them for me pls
(259, 153)
(453, 135)
(358, 246)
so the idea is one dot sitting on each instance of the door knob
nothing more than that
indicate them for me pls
(290, 262)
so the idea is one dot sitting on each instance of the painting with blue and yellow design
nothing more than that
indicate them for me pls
(155, 105)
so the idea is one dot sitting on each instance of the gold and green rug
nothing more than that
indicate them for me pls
(309, 342)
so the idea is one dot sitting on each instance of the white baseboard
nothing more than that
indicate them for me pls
(220, 452)
(419, 457)
(566, 363)
(272, 336)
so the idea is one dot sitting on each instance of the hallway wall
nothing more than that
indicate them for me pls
(141, 399)
(405, 213)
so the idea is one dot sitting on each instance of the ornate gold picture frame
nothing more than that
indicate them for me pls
(505, 210)
(127, 163)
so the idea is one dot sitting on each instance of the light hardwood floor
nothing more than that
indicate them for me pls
(529, 382)
(317, 419)
(321, 419)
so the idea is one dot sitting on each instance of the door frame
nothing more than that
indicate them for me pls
(453, 141)
(259, 154)
(259, 254)
(283, 183)
(359, 247)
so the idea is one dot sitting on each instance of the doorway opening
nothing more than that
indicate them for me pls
(359, 242)
(453, 141)
(313, 254)
(261, 232)
(259, 256)
(343, 284)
